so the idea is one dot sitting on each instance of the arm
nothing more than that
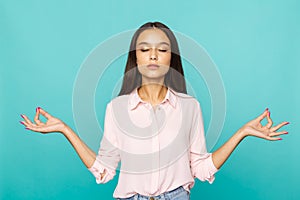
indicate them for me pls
(87, 156)
(252, 128)
(53, 124)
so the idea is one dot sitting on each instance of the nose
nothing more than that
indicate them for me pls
(153, 54)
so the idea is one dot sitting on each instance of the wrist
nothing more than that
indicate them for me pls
(242, 133)
(65, 129)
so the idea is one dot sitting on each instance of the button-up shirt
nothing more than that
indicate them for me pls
(160, 148)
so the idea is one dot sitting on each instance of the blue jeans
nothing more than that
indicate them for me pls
(176, 194)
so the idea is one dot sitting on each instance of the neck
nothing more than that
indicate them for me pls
(152, 93)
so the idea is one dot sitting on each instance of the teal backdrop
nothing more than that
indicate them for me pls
(255, 45)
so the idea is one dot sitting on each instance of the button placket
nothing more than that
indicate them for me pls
(155, 148)
(159, 107)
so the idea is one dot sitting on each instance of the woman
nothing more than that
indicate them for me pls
(153, 127)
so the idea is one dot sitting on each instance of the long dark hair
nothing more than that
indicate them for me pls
(175, 76)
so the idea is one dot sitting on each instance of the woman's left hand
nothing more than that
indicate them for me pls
(268, 132)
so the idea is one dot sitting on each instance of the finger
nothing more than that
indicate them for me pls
(36, 117)
(28, 126)
(263, 115)
(44, 113)
(275, 128)
(278, 133)
(273, 138)
(34, 128)
(270, 122)
(27, 123)
(27, 120)
(23, 123)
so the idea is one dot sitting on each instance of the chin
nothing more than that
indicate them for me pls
(155, 74)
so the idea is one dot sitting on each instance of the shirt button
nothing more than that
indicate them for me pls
(151, 198)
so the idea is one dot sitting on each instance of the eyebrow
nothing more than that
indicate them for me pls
(158, 43)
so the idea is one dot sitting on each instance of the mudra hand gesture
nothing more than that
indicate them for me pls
(268, 132)
(252, 128)
(51, 125)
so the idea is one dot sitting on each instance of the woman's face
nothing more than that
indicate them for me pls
(153, 53)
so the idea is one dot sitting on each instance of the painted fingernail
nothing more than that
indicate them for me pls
(269, 113)
(287, 123)
(21, 122)
(267, 108)
(27, 128)
(279, 138)
(37, 109)
(22, 116)
(286, 133)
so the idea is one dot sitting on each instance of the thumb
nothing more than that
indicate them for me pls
(45, 114)
(263, 115)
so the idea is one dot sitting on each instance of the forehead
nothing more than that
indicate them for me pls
(153, 36)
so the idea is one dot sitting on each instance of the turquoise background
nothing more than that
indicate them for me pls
(255, 44)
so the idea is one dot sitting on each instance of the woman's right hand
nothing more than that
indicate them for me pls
(51, 125)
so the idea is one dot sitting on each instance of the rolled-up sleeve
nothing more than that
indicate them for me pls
(202, 166)
(108, 155)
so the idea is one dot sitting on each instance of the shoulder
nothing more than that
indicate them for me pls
(120, 99)
(118, 102)
(186, 99)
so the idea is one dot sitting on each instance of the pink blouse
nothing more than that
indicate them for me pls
(160, 148)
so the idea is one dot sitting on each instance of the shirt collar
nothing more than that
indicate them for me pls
(135, 100)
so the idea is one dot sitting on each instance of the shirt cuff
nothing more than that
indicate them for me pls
(212, 169)
(97, 169)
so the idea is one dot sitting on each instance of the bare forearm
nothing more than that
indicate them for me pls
(54, 124)
(222, 154)
(85, 153)
(252, 128)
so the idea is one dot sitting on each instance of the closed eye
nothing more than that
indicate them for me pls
(163, 50)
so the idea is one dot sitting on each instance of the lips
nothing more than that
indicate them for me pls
(153, 66)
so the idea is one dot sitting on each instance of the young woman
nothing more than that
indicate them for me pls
(153, 127)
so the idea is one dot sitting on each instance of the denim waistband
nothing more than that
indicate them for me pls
(163, 196)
